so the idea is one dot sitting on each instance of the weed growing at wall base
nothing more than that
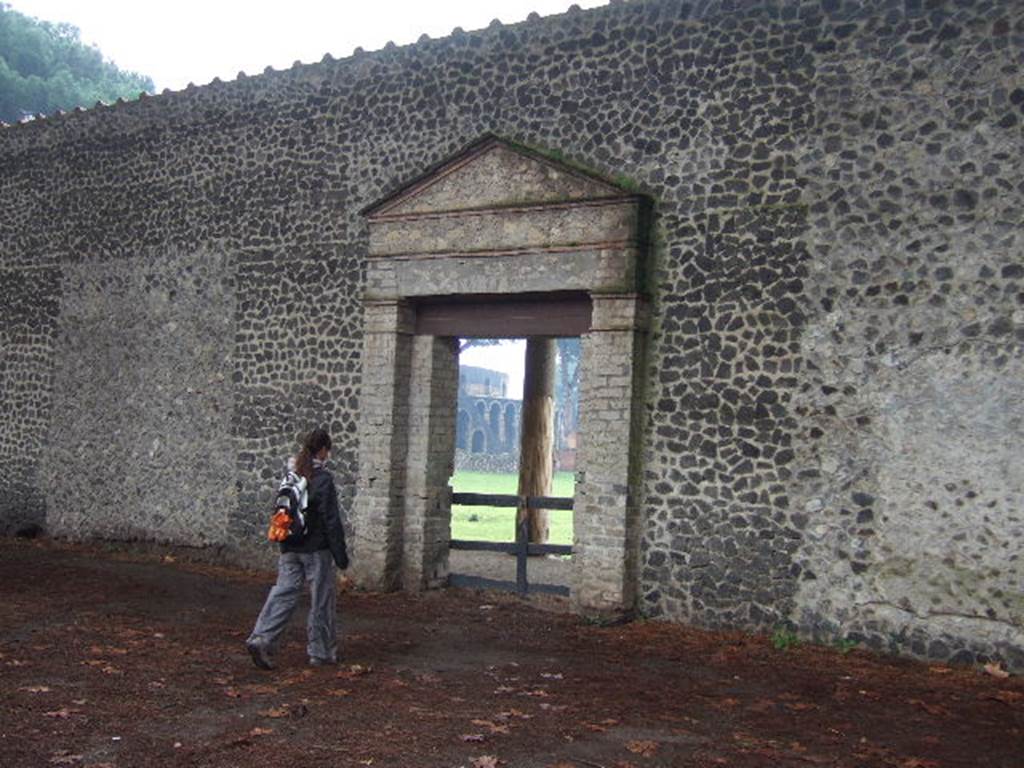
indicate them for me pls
(845, 645)
(784, 639)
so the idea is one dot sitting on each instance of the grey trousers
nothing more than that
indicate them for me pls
(294, 568)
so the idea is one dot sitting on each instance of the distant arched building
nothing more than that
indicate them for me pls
(487, 425)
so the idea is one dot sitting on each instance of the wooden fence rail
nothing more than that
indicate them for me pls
(521, 547)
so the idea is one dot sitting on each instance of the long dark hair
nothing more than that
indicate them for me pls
(312, 444)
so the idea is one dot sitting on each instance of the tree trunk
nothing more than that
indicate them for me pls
(536, 447)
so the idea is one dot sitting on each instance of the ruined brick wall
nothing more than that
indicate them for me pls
(834, 381)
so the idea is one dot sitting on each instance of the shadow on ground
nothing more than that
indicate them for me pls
(136, 660)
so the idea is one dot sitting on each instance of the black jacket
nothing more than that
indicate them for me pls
(323, 527)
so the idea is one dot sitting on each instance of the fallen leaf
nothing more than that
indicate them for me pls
(484, 761)
(356, 670)
(259, 690)
(507, 715)
(35, 689)
(108, 650)
(538, 693)
(260, 731)
(932, 709)
(995, 669)
(643, 748)
(63, 713)
(799, 706)
(278, 712)
(305, 674)
(1007, 697)
(232, 693)
(339, 692)
(940, 670)
(493, 727)
(64, 758)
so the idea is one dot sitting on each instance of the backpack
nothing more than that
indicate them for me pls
(288, 524)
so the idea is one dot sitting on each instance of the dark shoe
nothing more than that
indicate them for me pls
(316, 662)
(260, 655)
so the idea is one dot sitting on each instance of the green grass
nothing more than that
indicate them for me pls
(497, 523)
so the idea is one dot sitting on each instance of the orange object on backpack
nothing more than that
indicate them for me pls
(280, 525)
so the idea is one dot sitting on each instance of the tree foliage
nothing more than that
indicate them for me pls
(45, 67)
(470, 343)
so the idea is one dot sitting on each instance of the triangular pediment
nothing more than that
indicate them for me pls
(493, 173)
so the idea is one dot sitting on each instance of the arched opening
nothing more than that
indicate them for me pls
(511, 427)
(462, 430)
(495, 419)
(478, 441)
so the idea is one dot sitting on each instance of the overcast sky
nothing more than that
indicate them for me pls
(196, 40)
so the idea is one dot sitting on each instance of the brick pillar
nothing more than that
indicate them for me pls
(606, 518)
(429, 461)
(378, 512)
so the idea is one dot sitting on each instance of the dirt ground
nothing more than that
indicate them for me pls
(117, 659)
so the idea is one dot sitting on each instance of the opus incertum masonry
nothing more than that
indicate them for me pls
(791, 232)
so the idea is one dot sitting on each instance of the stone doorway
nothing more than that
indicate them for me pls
(517, 502)
(489, 234)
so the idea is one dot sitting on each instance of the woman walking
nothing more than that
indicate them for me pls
(310, 560)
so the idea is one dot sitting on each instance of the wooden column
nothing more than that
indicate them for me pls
(537, 441)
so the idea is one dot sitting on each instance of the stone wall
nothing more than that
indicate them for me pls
(126, 426)
(498, 463)
(833, 388)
